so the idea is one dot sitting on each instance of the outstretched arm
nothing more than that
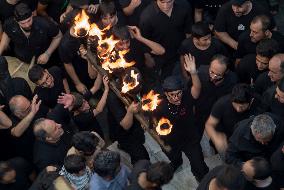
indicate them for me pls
(103, 99)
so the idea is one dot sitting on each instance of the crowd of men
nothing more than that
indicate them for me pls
(217, 65)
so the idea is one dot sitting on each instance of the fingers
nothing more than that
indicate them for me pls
(2, 106)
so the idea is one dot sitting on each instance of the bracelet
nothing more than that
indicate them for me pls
(193, 72)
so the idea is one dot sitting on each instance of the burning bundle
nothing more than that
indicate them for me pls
(164, 126)
(150, 101)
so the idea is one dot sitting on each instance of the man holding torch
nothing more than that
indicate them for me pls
(178, 108)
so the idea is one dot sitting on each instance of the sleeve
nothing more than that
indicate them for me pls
(220, 22)
(183, 49)
(221, 47)
(198, 4)
(65, 55)
(266, 100)
(240, 53)
(59, 114)
(188, 19)
(119, 112)
(124, 3)
(145, 25)
(218, 109)
(52, 29)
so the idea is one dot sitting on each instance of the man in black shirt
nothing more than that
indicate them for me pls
(216, 81)
(201, 45)
(256, 136)
(273, 99)
(234, 18)
(177, 107)
(273, 76)
(52, 9)
(145, 175)
(166, 22)
(53, 138)
(277, 162)
(50, 84)
(31, 36)
(260, 28)
(226, 112)
(251, 65)
(223, 177)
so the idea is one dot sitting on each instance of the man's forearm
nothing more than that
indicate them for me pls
(54, 43)
(22, 126)
(128, 11)
(198, 15)
(5, 121)
(102, 102)
(127, 121)
(97, 84)
(71, 72)
(156, 48)
(5, 40)
(227, 39)
(196, 85)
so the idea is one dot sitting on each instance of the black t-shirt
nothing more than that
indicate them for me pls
(167, 31)
(277, 162)
(224, 111)
(246, 46)
(262, 83)
(54, 8)
(251, 186)
(212, 6)
(69, 54)
(226, 21)
(247, 69)
(204, 184)
(49, 96)
(116, 112)
(210, 92)
(202, 57)
(134, 18)
(181, 117)
(271, 104)
(37, 43)
(23, 170)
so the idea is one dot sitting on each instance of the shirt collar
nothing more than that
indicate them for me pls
(158, 10)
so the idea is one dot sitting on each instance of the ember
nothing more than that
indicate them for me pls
(164, 127)
(130, 82)
(150, 101)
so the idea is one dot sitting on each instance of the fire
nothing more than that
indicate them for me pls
(95, 31)
(127, 86)
(164, 127)
(106, 47)
(150, 101)
(82, 25)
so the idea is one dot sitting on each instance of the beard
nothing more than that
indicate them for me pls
(27, 29)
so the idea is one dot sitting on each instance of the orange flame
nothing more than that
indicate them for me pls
(152, 101)
(167, 127)
(131, 85)
(82, 24)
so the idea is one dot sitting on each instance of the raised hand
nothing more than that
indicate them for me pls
(135, 3)
(134, 107)
(106, 82)
(35, 105)
(66, 100)
(135, 32)
(189, 63)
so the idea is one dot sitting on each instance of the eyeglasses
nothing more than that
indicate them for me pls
(176, 94)
(215, 75)
(45, 78)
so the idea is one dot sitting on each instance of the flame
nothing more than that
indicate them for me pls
(82, 23)
(131, 85)
(150, 101)
(164, 131)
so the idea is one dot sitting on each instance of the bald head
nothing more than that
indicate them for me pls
(276, 67)
(19, 106)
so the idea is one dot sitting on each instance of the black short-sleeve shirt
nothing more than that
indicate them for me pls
(167, 31)
(54, 8)
(69, 54)
(202, 57)
(262, 83)
(37, 43)
(226, 21)
(224, 111)
(49, 96)
(204, 184)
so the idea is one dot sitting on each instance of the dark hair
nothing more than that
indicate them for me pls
(200, 29)
(85, 141)
(230, 177)
(222, 59)
(106, 7)
(267, 47)
(265, 22)
(78, 100)
(4, 168)
(44, 180)
(241, 94)
(280, 84)
(74, 163)
(121, 32)
(22, 12)
(106, 163)
(35, 73)
(160, 173)
(40, 134)
(262, 168)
